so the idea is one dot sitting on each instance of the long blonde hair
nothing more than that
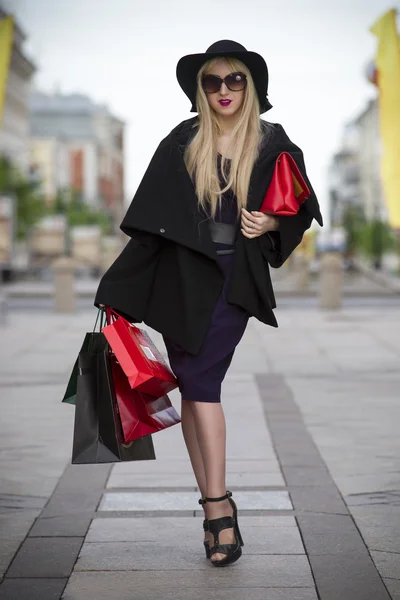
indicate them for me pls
(201, 153)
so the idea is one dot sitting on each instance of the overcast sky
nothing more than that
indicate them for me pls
(124, 52)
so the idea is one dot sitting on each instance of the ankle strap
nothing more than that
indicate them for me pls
(219, 499)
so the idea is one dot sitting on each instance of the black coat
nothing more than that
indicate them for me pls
(168, 275)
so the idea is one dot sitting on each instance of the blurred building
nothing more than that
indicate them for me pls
(354, 173)
(76, 144)
(370, 152)
(344, 175)
(14, 130)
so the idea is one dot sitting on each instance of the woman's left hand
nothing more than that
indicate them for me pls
(256, 223)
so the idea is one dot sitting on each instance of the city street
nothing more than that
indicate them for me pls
(291, 163)
(312, 412)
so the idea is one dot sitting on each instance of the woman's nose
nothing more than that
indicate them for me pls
(224, 89)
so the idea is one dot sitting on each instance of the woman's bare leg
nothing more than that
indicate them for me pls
(192, 445)
(210, 428)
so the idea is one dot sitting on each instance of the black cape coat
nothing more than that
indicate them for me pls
(167, 275)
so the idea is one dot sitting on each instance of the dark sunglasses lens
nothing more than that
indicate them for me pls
(211, 84)
(235, 81)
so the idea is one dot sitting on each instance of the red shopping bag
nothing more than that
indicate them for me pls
(140, 360)
(140, 414)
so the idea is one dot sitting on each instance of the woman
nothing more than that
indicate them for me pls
(196, 266)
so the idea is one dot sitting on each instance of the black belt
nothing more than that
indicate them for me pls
(223, 233)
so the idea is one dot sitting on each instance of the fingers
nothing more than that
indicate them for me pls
(250, 224)
(259, 222)
(250, 235)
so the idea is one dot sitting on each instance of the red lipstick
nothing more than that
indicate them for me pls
(224, 102)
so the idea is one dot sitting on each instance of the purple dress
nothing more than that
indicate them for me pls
(200, 376)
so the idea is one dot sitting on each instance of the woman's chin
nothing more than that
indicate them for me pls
(227, 111)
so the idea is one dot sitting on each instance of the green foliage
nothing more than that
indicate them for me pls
(353, 223)
(30, 205)
(71, 204)
(376, 238)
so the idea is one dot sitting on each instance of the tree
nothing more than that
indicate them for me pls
(376, 239)
(71, 204)
(30, 205)
(353, 223)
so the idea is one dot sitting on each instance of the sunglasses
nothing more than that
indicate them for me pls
(234, 82)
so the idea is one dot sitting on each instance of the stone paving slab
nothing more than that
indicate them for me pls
(357, 581)
(264, 538)
(340, 530)
(45, 557)
(103, 586)
(383, 539)
(251, 571)
(255, 480)
(72, 525)
(388, 563)
(14, 525)
(125, 529)
(161, 466)
(8, 549)
(187, 555)
(258, 500)
(32, 589)
(393, 587)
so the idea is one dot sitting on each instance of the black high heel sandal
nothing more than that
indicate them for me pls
(206, 543)
(205, 528)
(215, 526)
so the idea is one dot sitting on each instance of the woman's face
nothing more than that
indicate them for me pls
(219, 101)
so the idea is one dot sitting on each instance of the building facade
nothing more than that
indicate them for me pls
(354, 174)
(369, 157)
(78, 145)
(15, 126)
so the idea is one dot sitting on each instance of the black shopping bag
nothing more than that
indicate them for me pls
(89, 342)
(70, 392)
(97, 429)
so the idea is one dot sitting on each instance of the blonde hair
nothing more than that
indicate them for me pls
(201, 153)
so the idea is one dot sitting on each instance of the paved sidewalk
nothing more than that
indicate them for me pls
(313, 460)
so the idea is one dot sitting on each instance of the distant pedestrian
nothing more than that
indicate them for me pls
(197, 264)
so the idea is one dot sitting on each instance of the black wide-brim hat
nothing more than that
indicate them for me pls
(189, 66)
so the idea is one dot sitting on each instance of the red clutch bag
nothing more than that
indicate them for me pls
(287, 190)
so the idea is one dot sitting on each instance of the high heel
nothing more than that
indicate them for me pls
(205, 527)
(215, 526)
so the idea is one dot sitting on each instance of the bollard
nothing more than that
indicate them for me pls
(64, 293)
(331, 281)
(3, 303)
(302, 272)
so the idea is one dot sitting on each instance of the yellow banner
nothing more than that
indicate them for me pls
(6, 40)
(388, 66)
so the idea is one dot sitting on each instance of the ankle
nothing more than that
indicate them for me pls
(219, 509)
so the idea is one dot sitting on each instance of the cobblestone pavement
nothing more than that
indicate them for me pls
(313, 411)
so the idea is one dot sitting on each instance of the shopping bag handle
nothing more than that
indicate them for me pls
(110, 312)
(100, 313)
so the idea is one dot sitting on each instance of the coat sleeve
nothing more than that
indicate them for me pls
(127, 284)
(277, 246)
